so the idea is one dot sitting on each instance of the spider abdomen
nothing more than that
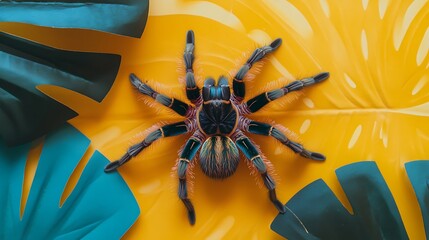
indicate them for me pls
(219, 157)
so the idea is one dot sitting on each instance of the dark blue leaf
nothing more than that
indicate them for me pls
(124, 17)
(25, 112)
(101, 205)
(418, 173)
(315, 212)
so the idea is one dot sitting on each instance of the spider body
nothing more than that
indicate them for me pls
(217, 119)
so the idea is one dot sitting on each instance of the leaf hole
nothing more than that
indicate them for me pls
(74, 177)
(30, 171)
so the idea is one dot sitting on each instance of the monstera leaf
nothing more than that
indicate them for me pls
(315, 212)
(101, 205)
(418, 172)
(27, 113)
(115, 16)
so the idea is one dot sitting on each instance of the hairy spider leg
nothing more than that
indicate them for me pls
(176, 105)
(263, 99)
(238, 81)
(169, 130)
(269, 130)
(254, 156)
(185, 158)
(192, 90)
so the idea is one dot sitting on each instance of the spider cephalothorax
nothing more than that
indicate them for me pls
(217, 120)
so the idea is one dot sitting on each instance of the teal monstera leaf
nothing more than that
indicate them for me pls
(101, 205)
(316, 213)
(124, 17)
(418, 173)
(27, 113)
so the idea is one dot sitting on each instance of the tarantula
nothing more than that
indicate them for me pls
(217, 120)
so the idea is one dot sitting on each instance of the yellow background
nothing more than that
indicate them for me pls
(373, 107)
